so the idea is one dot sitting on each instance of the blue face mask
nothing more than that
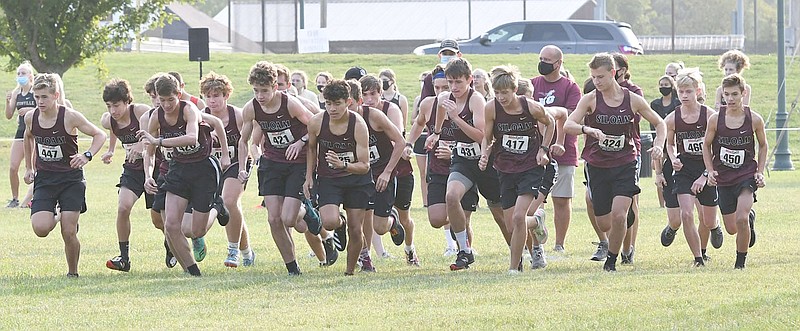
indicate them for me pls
(446, 58)
(22, 80)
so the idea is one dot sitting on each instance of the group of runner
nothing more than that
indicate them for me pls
(336, 166)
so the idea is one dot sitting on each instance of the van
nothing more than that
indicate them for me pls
(573, 37)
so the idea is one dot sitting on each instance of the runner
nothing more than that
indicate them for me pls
(20, 100)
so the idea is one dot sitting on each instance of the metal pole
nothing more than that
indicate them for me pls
(739, 16)
(229, 22)
(755, 25)
(263, 27)
(524, 10)
(296, 10)
(469, 18)
(323, 14)
(673, 27)
(783, 159)
(302, 14)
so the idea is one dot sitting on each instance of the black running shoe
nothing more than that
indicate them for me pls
(340, 235)
(312, 217)
(668, 236)
(463, 260)
(75, 275)
(397, 232)
(119, 263)
(169, 259)
(610, 267)
(717, 237)
(751, 218)
(222, 212)
(331, 254)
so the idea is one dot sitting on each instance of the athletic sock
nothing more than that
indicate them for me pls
(463, 242)
(740, 259)
(409, 248)
(292, 267)
(233, 245)
(537, 247)
(448, 237)
(246, 253)
(124, 248)
(194, 270)
(703, 252)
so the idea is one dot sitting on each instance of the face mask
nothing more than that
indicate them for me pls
(618, 75)
(446, 58)
(665, 90)
(298, 85)
(546, 68)
(320, 87)
(22, 80)
(386, 85)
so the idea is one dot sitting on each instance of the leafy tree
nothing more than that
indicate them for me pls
(55, 35)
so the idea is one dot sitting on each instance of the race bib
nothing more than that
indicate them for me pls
(693, 146)
(129, 149)
(470, 151)
(218, 153)
(374, 156)
(731, 158)
(49, 153)
(167, 152)
(280, 139)
(612, 143)
(346, 157)
(515, 144)
(188, 149)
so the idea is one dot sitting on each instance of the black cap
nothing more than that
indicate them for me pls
(355, 73)
(448, 45)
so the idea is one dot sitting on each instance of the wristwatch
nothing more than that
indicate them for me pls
(705, 173)
(545, 148)
(304, 139)
(88, 155)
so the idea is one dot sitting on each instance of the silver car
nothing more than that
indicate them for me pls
(573, 37)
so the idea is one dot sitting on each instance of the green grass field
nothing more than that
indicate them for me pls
(661, 291)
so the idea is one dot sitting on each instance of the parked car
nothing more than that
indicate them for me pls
(573, 37)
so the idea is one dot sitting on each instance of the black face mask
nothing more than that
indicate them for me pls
(665, 91)
(618, 75)
(386, 85)
(546, 68)
(320, 87)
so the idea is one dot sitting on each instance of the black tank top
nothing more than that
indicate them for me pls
(54, 146)
(465, 147)
(380, 146)
(127, 136)
(734, 150)
(232, 134)
(200, 151)
(23, 101)
(618, 124)
(280, 130)
(689, 137)
(438, 166)
(343, 145)
(517, 139)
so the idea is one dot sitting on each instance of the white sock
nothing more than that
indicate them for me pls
(409, 248)
(448, 238)
(246, 253)
(233, 245)
(463, 242)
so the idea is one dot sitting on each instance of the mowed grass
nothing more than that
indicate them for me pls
(661, 291)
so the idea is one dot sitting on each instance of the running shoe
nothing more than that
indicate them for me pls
(366, 262)
(331, 254)
(169, 259)
(232, 261)
(668, 236)
(559, 249)
(717, 237)
(450, 251)
(628, 258)
(463, 260)
(397, 231)
(119, 263)
(602, 251)
(75, 275)
(340, 234)
(537, 259)
(412, 259)
(222, 212)
(610, 267)
(249, 262)
(541, 229)
(751, 218)
(13, 203)
(199, 249)
(312, 217)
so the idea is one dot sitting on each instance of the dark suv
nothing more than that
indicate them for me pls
(573, 37)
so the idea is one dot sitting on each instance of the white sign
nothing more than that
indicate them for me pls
(312, 41)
